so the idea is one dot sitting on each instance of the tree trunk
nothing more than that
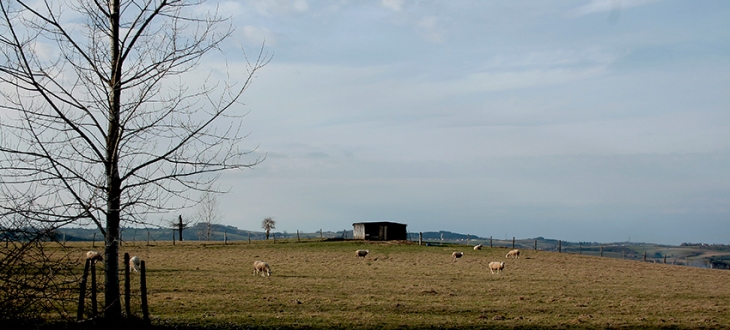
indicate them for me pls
(180, 228)
(112, 308)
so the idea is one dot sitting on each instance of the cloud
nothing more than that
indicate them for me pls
(258, 35)
(395, 5)
(431, 29)
(613, 6)
(279, 7)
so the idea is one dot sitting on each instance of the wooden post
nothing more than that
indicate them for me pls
(321, 234)
(467, 239)
(560, 246)
(644, 256)
(127, 290)
(148, 237)
(601, 250)
(82, 291)
(93, 241)
(490, 242)
(513, 242)
(580, 248)
(173, 237)
(143, 291)
(297, 235)
(274, 236)
(93, 289)
(665, 258)
(623, 251)
(225, 238)
(535, 248)
(420, 238)
(249, 238)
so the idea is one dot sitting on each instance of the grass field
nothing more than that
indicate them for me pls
(324, 285)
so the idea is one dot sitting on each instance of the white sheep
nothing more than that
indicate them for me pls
(135, 263)
(362, 253)
(94, 256)
(478, 247)
(496, 265)
(457, 255)
(260, 266)
(513, 254)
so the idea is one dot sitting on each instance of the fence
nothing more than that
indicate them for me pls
(90, 268)
(639, 252)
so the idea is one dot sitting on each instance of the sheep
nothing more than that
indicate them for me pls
(513, 254)
(362, 253)
(135, 263)
(457, 255)
(94, 256)
(260, 266)
(478, 247)
(496, 265)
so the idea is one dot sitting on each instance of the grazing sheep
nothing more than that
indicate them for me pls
(135, 263)
(260, 266)
(457, 255)
(513, 254)
(362, 253)
(478, 247)
(94, 256)
(496, 265)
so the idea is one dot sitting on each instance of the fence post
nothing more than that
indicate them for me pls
(665, 258)
(127, 290)
(82, 291)
(490, 242)
(535, 248)
(560, 246)
(274, 236)
(601, 250)
(93, 289)
(420, 238)
(148, 237)
(173, 237)
(580, 248)
(143, 291)
(225, 238)
(249, 238)
(644, 256)
(321, 234)
(93, 241)
(513, 242)
(297, 235)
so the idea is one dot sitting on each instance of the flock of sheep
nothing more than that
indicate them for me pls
(134, 262)
(265, 270)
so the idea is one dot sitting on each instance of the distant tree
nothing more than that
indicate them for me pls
(207, 214)
(179, 225)
(268, 224)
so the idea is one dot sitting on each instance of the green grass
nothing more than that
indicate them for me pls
(324, 285)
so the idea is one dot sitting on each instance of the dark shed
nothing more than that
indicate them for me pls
(379, 231)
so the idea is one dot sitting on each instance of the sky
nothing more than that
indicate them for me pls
(591, 120)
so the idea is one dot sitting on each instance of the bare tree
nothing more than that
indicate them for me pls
(99, 122)
(268, 224)
(207, 213)
(179, 225)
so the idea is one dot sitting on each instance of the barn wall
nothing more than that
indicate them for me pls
(358, 231)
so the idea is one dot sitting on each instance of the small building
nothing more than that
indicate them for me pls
(379, 231)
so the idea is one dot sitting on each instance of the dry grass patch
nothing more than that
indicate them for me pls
(323, 284)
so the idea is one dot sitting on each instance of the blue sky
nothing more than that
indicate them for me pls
(576, 120)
